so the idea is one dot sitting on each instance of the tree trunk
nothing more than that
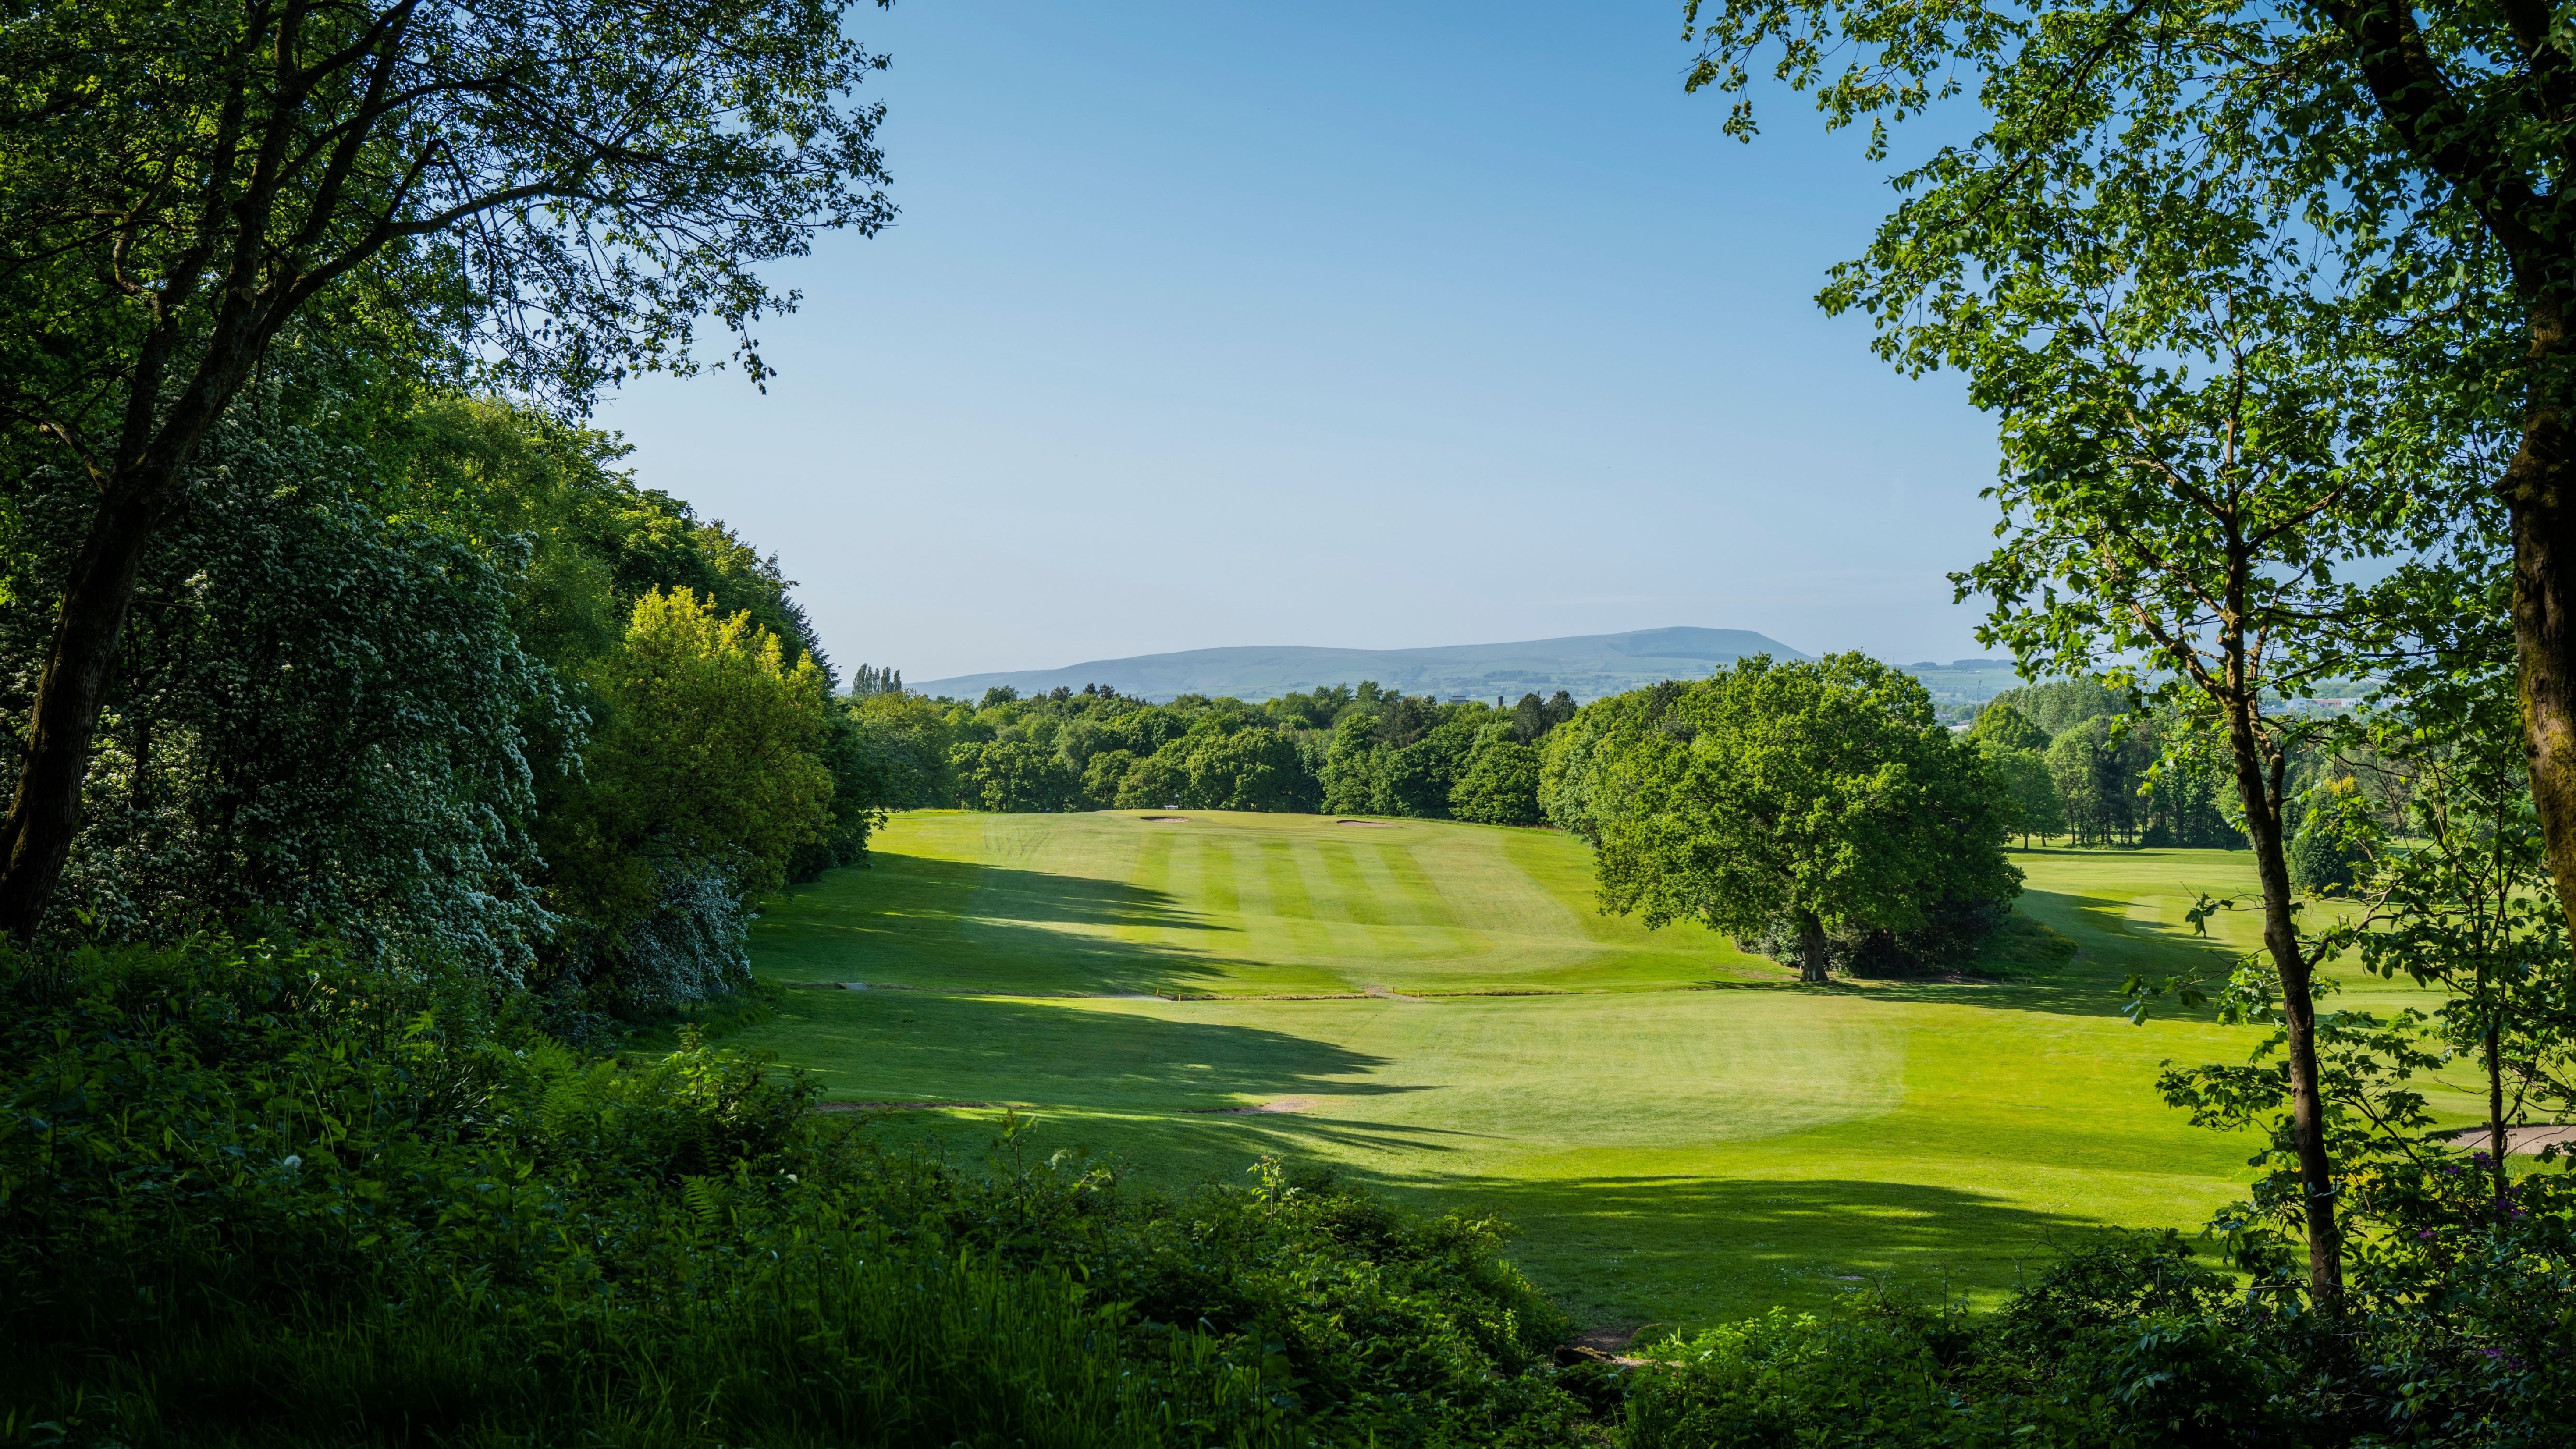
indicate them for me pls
(36, 838)
(2299, 1013)
(2535, 486)
(2495, 1121)
(1811, 949)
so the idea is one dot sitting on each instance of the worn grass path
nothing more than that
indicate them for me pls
(1684, 1136)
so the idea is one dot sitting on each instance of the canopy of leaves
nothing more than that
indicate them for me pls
(325, 718)
(1823, 794)
(705, 756)
(559, 190)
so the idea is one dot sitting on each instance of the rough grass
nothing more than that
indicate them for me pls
(1683, 1134)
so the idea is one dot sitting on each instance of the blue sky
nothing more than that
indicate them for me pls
(1372, 325)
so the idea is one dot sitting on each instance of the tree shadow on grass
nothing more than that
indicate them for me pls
(1699, 1249)
(926, 885)
(2109, 947)
(896, 1046)
(1181, 1149)
(964, 926)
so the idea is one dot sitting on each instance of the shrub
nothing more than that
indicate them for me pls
(259, 1193)
(1952, 936)
(2128, 1342)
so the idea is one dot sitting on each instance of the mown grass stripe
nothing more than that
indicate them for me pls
(1221, 896)
(1420, 891)
(1350, 901)
(1307, 939)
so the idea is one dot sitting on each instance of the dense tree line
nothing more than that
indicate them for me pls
(2084, 765)
(1346, 750)
(2101, 768)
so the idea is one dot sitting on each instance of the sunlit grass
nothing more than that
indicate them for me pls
(1685, 1136)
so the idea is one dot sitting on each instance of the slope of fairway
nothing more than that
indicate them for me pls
(1226, 904)
(1680, 1132)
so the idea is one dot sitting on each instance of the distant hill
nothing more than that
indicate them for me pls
(1586, 666)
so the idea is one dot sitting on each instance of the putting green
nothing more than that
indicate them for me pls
(1680, 1133)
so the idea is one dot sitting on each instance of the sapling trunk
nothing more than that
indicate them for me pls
(2495, 1118)
(2259, 781)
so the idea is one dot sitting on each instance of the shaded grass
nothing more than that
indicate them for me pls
(1616, 1129)
(1685, 1137)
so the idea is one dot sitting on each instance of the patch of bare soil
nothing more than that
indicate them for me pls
(1284, 1104)
(894, 1106)
(1368, 824)
(1605, 1344)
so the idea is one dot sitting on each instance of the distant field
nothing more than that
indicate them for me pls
(1686, 1136)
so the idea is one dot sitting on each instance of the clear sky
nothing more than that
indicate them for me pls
(1357, 324)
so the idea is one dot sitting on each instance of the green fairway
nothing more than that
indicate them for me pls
(1681, 1133)
(1226, 904)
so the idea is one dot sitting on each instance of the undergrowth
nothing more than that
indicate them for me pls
(256, 1194)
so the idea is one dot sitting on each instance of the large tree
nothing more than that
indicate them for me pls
(1805, 798)
(1500, 783)
(2421, 153)
(2241, 328)
(325, 719)
(550, 194)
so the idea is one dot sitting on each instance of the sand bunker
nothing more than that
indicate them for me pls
(1284, 1104)
(2529, 1137)
(1165, 819)
(1368, 824)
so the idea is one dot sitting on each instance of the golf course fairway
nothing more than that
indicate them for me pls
(1679, 1132)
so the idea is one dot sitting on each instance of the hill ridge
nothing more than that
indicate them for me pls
(1584, 665)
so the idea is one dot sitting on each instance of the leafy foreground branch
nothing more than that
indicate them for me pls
(257, 1194)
